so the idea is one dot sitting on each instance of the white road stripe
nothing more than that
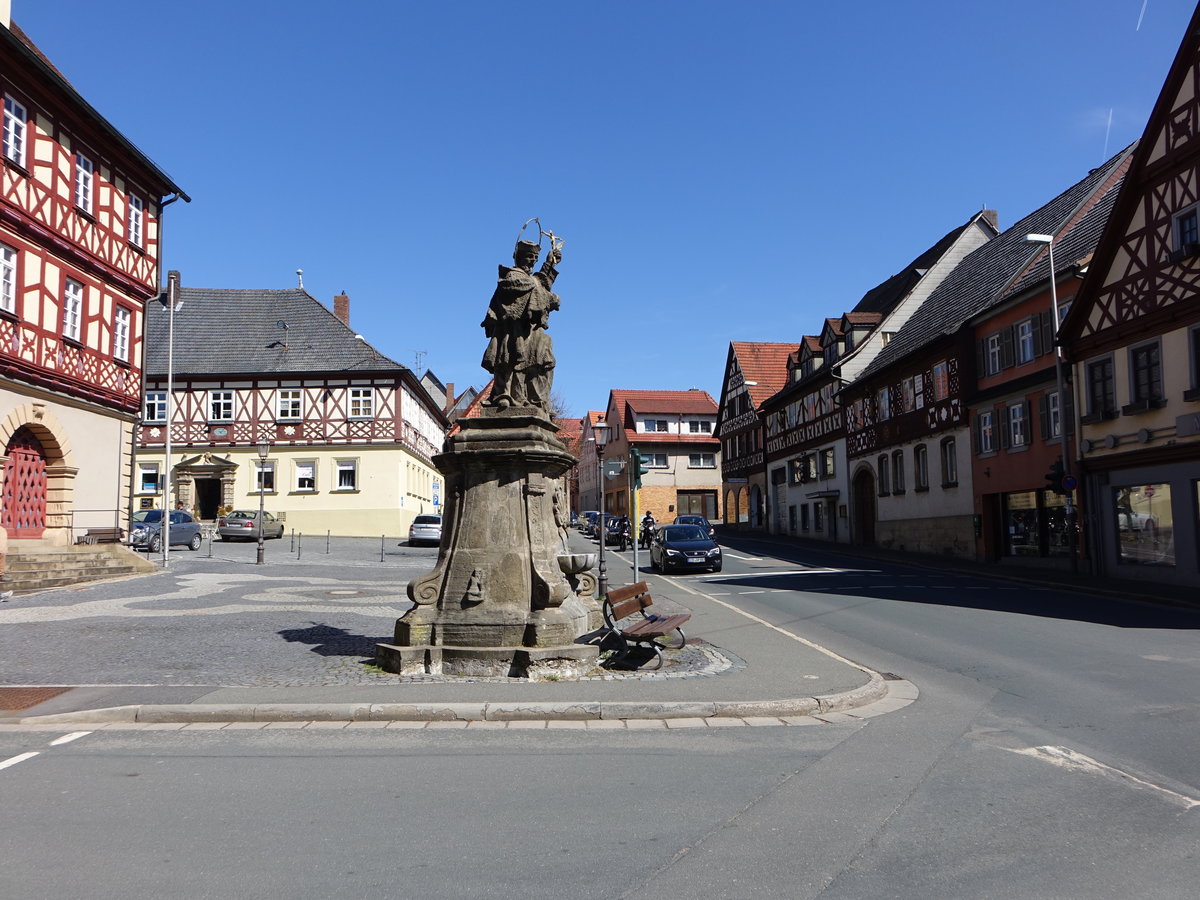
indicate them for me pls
(67, 738)
(13, 760)
(746, 558)
(1066, 758)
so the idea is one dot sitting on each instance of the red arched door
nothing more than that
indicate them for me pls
(23, 514)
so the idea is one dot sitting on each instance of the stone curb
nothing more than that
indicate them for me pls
(512, 711)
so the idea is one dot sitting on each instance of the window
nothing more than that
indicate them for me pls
(15, 120)
(1025, 347)
(306, 476)
(220, 406)
(804, 517)
(1187, 233)
(72, 309)
(156, 407)
(696, 427)
(1054, 425)
(147, 478)
(653, 425)
(883, 403)
(655, 460)
(83, 183)
(287, 404)
(987, 432)
(1145, 373)
(347, 475)
(908, 395)
(949, 463)
(264, 476)
(898, 472)
(1145, 525)
(920, 468)
(1101, 388)
(941, 381)
(702, 461)
(884, 480)
(993, 353)
(818, 517)
(1194, 344)
(121, 334)
(135, 227)
(362, 403)
(1017, 434)
(8, 279)
(825, 463)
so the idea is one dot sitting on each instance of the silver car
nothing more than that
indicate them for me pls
(242, 525)
(146, 529)
(425, 529)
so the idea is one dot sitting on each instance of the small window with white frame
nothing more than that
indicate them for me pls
(949, 463)
(347, 475)
(986, 423)
(655, 425)
(148, 478)
(121, 334)
(994, 353)
(362, 403)
(16, 124)
(264, 476)
(306, 476)
(1025, 341)
(702, 461)
(135, 226)
(220, 406)
(1018, 434)
(655, 460)
(8, 279)
(920, 468)
(1186, 236)
(698, 426)
(288, 404)
(84, 183)
(72, 309)
(155, 409)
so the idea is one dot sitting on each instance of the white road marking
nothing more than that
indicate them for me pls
(1066, 758)
(13, 760)
(743, 593)
(746, 558)
(67, 738)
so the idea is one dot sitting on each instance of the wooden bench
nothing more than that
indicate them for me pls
(109, 535)
(629, 626)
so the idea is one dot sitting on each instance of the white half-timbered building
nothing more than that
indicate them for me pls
(351, 433)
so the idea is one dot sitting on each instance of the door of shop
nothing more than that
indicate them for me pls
(24, 512)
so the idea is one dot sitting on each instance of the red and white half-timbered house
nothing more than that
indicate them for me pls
(1133, 335)
(350, 433)
(80, 211)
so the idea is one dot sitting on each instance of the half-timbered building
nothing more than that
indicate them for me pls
(350, 433)
(806, 420)
(908, 435)
(80, 220)
(753, 372)
(1133, 336)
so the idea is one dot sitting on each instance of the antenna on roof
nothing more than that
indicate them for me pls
(419, 356)
(300, 277)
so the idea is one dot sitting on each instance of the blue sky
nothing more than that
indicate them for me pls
(719, 172)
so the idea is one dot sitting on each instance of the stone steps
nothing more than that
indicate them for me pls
(42, 568)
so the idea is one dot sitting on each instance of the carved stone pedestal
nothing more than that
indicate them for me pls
(506, 597)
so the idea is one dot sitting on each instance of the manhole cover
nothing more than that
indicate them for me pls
(15, 698)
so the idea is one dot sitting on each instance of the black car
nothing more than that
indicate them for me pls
(684, 547)
(697, 520)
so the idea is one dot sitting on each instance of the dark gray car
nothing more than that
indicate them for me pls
(146, 529)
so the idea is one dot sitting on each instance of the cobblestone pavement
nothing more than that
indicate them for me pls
(306, 618)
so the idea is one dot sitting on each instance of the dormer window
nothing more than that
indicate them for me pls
(849, 341)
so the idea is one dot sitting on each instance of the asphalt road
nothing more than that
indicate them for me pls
(1052, 753)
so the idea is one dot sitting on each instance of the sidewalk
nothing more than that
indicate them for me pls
(756, 670)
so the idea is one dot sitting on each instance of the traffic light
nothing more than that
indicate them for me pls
(638, 467)
(1054, 478)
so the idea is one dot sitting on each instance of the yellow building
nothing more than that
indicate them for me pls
(348, 433)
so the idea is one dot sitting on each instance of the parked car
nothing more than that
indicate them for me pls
(697, 520)
(587, 521)
(425, 529)
(146, 529)
(242, 525)
(684, 547)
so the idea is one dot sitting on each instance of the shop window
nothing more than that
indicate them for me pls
(1145, 529)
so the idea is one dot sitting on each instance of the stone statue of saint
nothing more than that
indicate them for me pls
(520, 353)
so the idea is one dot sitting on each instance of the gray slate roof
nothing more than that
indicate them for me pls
(983, 278)
(236, 332)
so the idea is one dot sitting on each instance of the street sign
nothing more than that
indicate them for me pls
(1070, 482)
(613, 467)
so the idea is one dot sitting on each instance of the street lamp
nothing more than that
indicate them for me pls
(600, 430)
(1048, 240)
(263, 449)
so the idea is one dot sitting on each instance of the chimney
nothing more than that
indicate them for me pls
(449, 396)
(341, 308)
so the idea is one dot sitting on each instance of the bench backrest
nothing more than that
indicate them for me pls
(628, 600)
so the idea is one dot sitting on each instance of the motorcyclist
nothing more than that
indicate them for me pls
(623, 534)
(647, 533)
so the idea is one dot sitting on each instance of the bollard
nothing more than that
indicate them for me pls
(382, 540)
(299, 540)
(326, 543)
(292, 548)
(210, 540)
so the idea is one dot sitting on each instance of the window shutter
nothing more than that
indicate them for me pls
(1035, 326)
(1047, 331)
(981, 358)
(1002, 419)
(1006, 347)
(1068, 412)
(977, 434)
(1044, 415)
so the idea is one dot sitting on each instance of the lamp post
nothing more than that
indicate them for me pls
(600, 430)
(1048, 240)
(263, 449)
(168, 476)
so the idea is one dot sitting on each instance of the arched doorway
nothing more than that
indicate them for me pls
(23, 513)
(864, 508)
